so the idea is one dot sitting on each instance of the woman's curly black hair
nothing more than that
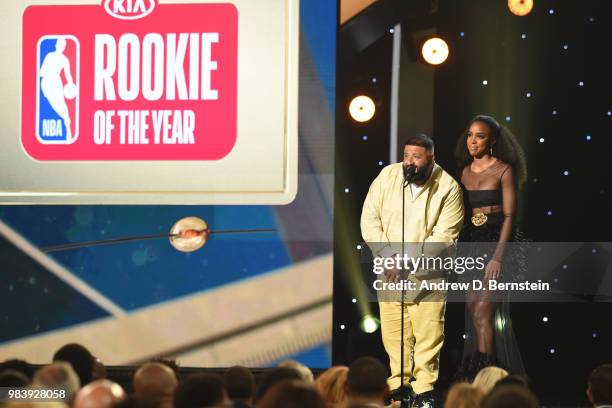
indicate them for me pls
(505, 148)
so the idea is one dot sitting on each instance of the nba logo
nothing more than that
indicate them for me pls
(57, 89)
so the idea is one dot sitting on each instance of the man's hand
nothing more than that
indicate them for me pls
(492, 270)
(392, 275)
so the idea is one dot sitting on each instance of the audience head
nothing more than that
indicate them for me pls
(18, 365)
(201, 390)
(134, 402)
(463, 395)
(240, 384)
(154, 383)
(510, 396)
(170, 362)
(367, 377)
(59, 375)
(488, 377)
(304, 371)
(599, 388)
(332, 385)
(99, 394)
(13, 378)
(292, 394)
(273, 377)
(79, 358)
(513, 379)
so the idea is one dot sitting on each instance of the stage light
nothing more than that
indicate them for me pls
(369, 324)
(362, 108)
(500, 323)
(520, 7)
(435, 51)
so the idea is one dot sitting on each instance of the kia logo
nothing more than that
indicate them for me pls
(129, 9)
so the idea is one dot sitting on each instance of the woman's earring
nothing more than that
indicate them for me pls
(491, 150)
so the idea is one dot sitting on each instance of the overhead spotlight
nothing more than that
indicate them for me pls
(362, 108)
(435, 51)
(369, 324)
(520, 7)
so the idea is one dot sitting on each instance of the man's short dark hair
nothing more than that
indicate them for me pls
(366, 376)
(239, 382)
(274, 377)
(513, 379)
(600, 382)
(79, 358)
(510, 396)
(422, 140)
(133, 402)
(13, 378)
(292, 394)
(16, 364)
(200, 390)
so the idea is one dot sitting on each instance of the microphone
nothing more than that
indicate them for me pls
(409, 173)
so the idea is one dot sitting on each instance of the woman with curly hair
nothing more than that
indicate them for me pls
(492, 166)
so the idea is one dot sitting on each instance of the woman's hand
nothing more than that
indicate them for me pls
(492, 270)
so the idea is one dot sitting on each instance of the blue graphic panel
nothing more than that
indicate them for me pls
(142, 273)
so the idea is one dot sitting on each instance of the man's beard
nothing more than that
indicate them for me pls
(422, 174)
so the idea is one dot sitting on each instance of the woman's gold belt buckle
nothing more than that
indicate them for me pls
(479, 219)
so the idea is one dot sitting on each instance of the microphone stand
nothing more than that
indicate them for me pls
(403, 403)
(408, 176)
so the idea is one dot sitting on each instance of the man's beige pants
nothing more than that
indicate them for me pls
(425, 322)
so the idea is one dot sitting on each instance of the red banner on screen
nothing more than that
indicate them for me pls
(129, 80)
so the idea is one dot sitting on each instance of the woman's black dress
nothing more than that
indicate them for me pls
(485, 189)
